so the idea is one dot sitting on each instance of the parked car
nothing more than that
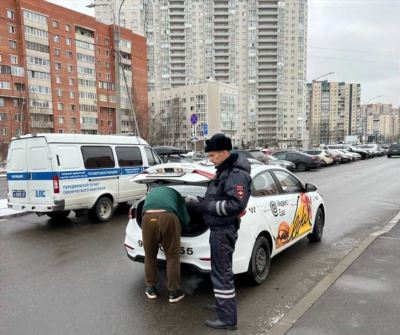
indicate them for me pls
(325, 157)
(302, 160)
(280, 162)
(394, 150)
(364, 153)
(281, 211)
(354, 155)
(171, 154)
(254, 153)
(339, 156)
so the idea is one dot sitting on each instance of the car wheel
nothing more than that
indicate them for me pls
(301, 167)
(260, 261)
(58, 215)
(318, 229)
(102, 211)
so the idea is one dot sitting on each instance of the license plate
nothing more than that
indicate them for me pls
(19, 194)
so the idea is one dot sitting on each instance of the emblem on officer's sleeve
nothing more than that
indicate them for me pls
(240, 191)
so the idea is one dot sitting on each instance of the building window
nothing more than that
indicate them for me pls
(61, 120)
(69, 54)
(71, 94)
(107, 65)
(68, 41)
(11, 29)
(12, 44)
(67, 27)
(3, 131)
(15, 102)
(72, 108)
(70, 68)
(13, 59)
(55, 24)
(10, 14)
(71, 82)
(59, 93)
(58, 79)
(60, 106)
(57, 66)
(3, 117)
(2, 102)
(106, 41)
(5, 85)
(107, 53)
(57, 52)
(56, 38)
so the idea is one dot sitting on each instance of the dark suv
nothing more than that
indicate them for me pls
(301, 160)
(394, 150)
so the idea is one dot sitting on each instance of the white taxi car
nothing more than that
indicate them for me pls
(281, 211)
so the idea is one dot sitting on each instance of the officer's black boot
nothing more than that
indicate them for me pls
(218, 324)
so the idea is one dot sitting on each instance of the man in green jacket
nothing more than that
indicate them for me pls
(164, 212)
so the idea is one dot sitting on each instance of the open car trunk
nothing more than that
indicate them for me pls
(196, 226)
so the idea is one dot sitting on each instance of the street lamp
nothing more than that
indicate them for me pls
(116, 33)
(366, 116)
(310, 116)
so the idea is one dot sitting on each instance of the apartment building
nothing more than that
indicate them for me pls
(57, 72)
(214, 104)
(334, 111)
(258, 46)
(382, 122)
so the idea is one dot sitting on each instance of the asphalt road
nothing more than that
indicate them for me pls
(74, 277)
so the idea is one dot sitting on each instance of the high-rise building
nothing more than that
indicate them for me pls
(57, 72)
(257, 45)
(334, 111)
(381, 122)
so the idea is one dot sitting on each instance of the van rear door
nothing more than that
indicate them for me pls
(17, 172)
(40, 176)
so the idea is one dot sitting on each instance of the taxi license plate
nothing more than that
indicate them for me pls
(19, 194)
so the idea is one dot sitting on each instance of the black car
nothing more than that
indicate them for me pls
(253, 153)
(302, 160)
(394, 150)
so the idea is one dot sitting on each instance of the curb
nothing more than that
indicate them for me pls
(289, 320)
(14, 215)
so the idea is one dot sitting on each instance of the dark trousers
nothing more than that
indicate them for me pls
(162, 228)
(222, 245)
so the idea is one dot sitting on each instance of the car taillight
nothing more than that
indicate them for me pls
(56, 184)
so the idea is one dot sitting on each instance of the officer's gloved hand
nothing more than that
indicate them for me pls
(191, 199)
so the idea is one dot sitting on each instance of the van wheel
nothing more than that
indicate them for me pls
(260, 261)
(318, 229)
(58, 215)
(102, 211)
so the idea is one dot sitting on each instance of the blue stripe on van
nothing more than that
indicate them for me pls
(78, 174)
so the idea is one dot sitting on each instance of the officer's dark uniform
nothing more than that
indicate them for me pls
(226, 198)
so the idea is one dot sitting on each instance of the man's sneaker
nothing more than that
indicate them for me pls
(151, 292)
(175, 296)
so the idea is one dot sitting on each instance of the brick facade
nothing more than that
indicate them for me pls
(56, 31)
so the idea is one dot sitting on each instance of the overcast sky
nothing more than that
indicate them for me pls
(359, 40)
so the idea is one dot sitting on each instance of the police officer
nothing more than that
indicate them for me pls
(226, 198)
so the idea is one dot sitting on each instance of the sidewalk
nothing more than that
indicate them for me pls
(364, 300)
(5, 211)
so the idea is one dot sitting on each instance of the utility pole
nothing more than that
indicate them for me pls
(116, 35)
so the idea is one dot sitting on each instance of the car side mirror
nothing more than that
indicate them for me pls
(310, 188)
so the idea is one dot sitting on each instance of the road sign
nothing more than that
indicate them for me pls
(194, 118)
(205, 129)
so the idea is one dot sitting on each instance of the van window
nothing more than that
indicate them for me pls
(152, 157)
(96, 157)
(69, 156)
(38, 159)
(18, 160)
(128, 156)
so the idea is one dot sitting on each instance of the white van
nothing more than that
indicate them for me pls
(55, 173)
